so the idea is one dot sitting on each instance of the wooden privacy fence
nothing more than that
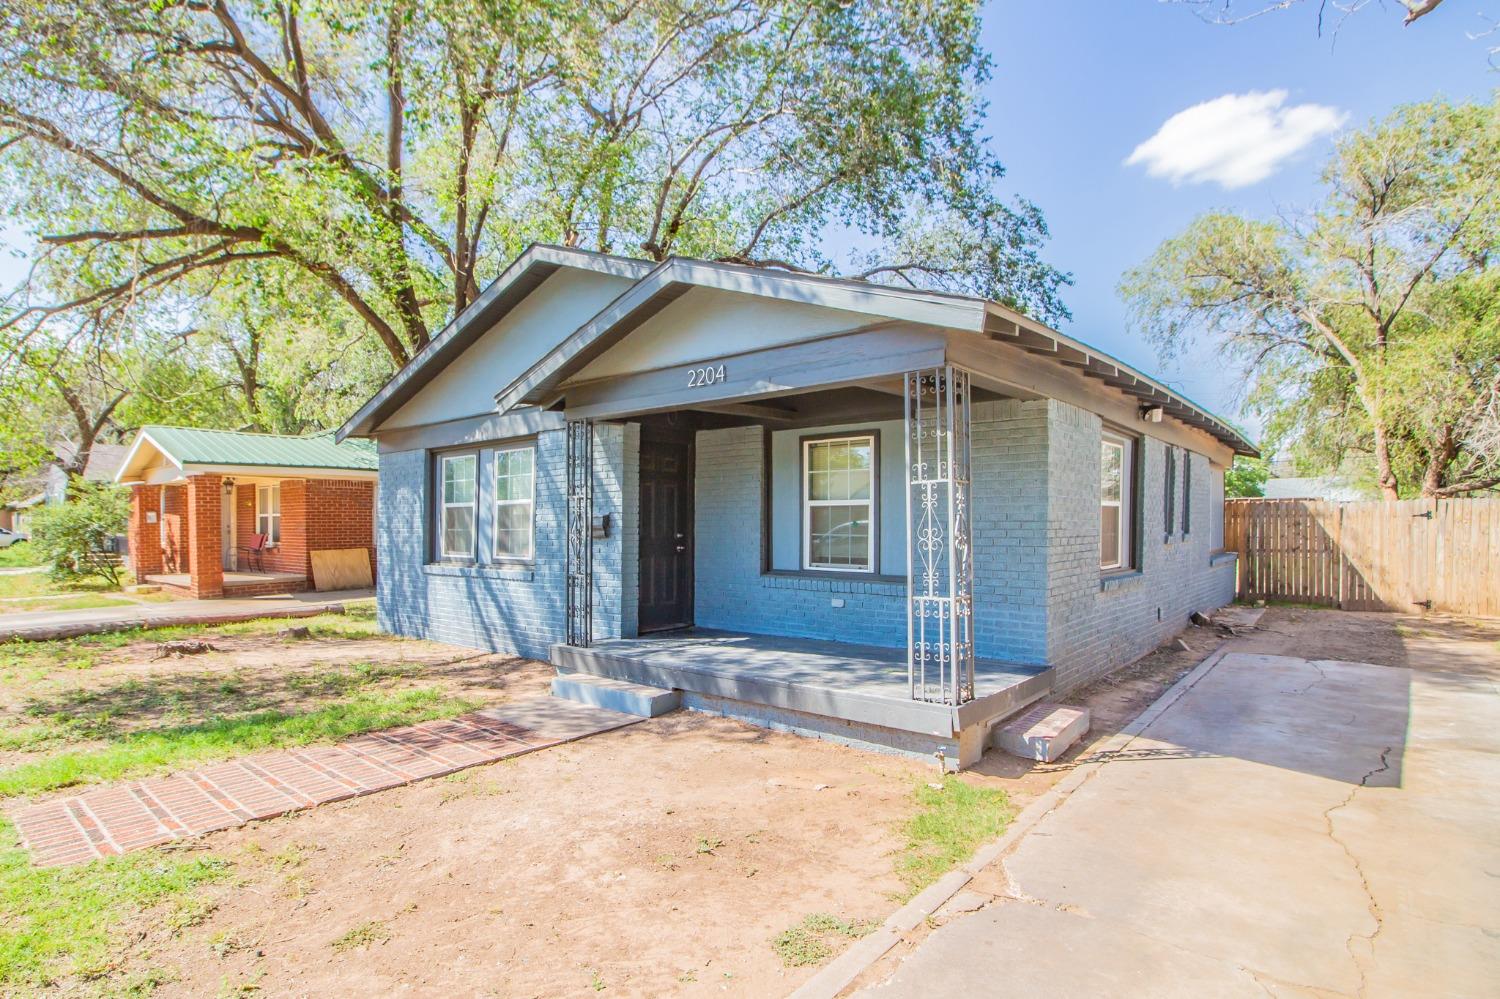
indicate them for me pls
(1442, 555)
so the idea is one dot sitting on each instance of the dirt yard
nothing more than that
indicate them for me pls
(664, 858)
(660, 859)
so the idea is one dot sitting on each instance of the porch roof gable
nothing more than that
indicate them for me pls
(541, 384)
(524, 275)
(186, 448)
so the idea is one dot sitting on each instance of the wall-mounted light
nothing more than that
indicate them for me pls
(1151, 414)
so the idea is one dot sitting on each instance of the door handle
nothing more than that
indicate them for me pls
(682, 548)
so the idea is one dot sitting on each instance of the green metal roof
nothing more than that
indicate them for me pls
(229, 447)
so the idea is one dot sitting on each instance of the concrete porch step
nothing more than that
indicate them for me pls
(1043, 732)
(616, 695)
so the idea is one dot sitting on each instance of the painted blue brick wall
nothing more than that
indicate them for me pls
(1039, 596)
(519, 610)
(1010, 525)
(1095, 624)
(730, 591)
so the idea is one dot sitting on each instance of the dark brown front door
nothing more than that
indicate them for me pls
(666, 597)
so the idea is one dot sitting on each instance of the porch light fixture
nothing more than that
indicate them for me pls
(1151, 414)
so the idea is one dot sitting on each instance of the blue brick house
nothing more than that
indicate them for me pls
(880, 515)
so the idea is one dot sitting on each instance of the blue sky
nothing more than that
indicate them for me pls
(1079, 84)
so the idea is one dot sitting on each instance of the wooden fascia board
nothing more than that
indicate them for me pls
(524, 275)
(126, 475)
(469, 430)
(538, 386)
(1005, 367)
(829, 362)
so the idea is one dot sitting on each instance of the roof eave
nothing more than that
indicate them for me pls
(1007, 325)
(522, 277)
(674, 276)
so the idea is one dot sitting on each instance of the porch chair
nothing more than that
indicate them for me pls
(255, 552)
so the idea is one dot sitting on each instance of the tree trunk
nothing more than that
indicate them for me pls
(1385, 476)
(1444, 450)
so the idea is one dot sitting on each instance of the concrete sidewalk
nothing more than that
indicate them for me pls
(43, 625)
(1286, 827)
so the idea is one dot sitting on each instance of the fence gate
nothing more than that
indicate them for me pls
(1440, 555)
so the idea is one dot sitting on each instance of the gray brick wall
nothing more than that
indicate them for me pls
(1010, 479)
(504, 609)
(1039, 594)
(1097, 624)
(731, 593)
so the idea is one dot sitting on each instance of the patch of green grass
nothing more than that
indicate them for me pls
(352, 677)
(21, 555)
(62, 921)
(39, 584)
(815, 939)
(158, 749)
(81, 601)
(951, 822)
(358, 621)
(363, 935)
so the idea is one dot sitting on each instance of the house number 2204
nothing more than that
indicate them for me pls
(710, 375)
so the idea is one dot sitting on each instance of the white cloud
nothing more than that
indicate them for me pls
(1234, 140)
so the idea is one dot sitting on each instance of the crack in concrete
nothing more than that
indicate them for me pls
(1321, 677)
(1371, 903)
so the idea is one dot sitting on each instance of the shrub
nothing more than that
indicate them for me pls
(77, 537)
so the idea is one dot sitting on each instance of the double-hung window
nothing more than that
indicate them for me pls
(838, 508)
(1116, 479)
(515, 502)
(458, 480)
(1187, 493)
(268, 513)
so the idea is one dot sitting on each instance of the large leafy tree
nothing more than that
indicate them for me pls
(1369, 324)
(394, 153)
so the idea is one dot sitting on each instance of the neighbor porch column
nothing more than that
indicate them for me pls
(205, 496)
(145, 532)
(939, 552)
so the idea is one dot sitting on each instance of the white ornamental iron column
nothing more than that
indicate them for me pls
(580, 559)
(939, 554)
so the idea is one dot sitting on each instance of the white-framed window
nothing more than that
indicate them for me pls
(838, 503)
(515, 502)
(1116, 479)
(458, 482)
(1215, 509)
(1187, 493)
(268, 513)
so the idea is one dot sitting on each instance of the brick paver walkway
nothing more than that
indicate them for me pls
(135, 815)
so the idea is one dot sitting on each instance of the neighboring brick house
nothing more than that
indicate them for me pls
(222, 513)
(875, 514)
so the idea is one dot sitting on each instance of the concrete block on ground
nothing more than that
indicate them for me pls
(1043, 732)
(615, 695)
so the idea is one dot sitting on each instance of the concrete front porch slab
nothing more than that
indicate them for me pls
(856, 694)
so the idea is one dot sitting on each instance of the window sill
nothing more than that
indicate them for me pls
(1115, 579)
(834, 582)
(1222, 558)
(516, 573)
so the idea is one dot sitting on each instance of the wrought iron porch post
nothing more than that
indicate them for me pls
(939, 555)
(580, 483)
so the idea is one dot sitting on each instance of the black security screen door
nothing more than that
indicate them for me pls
(666, 597)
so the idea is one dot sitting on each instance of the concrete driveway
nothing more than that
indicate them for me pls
(1287, 826)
